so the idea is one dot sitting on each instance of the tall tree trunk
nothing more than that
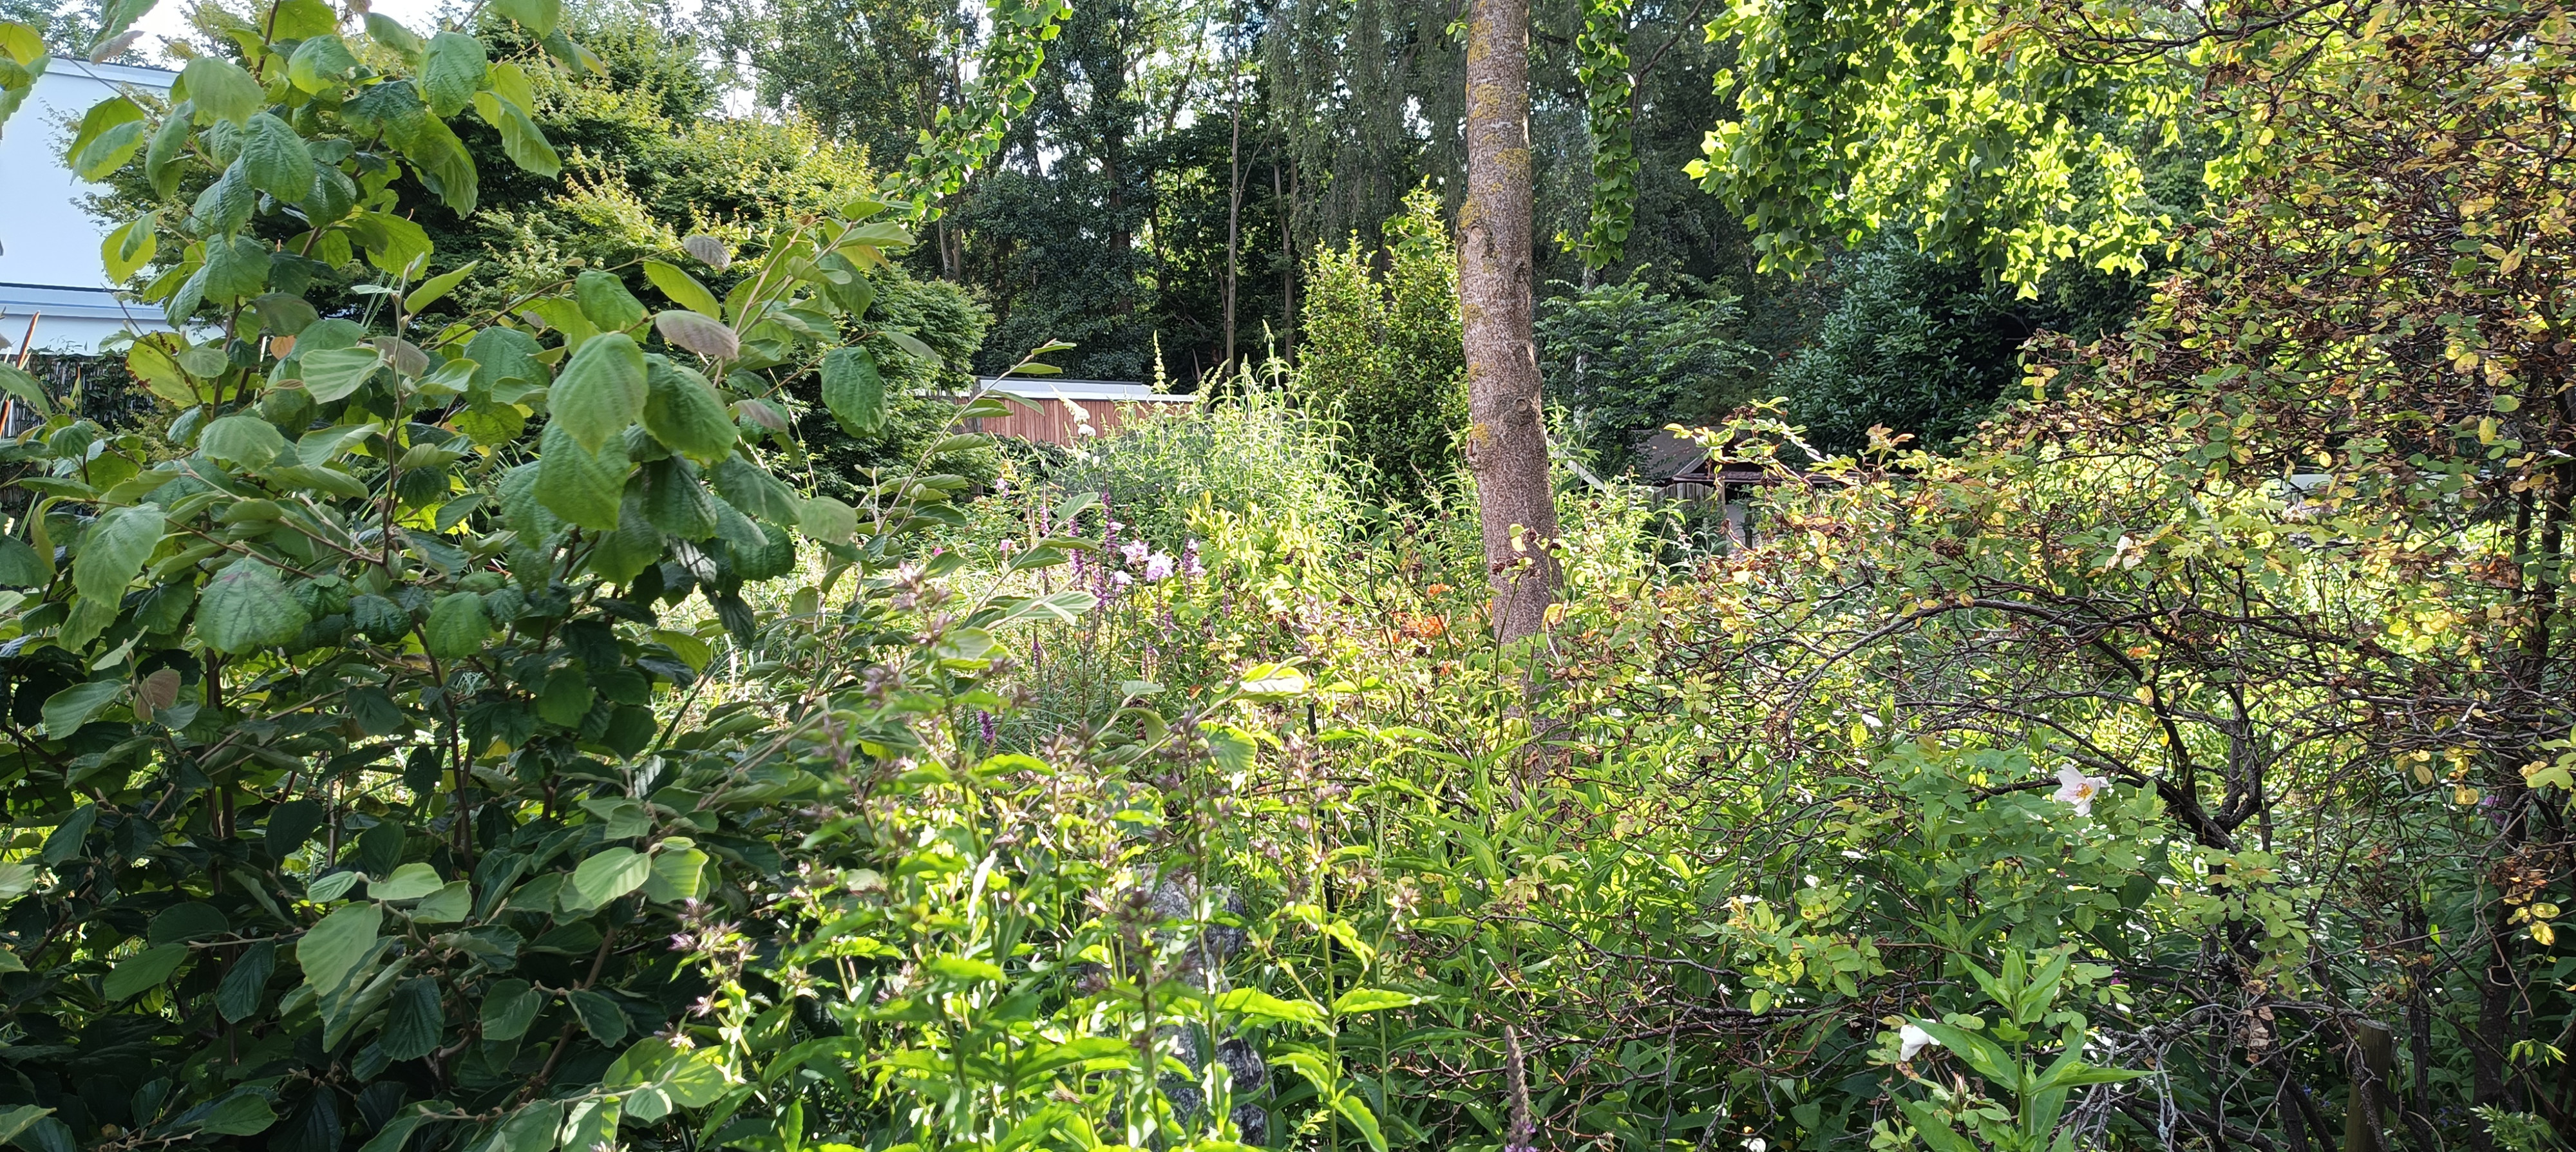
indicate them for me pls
(1507, 431)
(1284, 196)
(1234, 196)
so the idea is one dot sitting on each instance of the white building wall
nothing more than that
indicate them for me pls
(50, 269)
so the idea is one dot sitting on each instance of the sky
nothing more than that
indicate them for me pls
(168, 20)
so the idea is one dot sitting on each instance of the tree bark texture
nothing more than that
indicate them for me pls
(1506, 440)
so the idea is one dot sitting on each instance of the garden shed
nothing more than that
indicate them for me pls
(1057, 411)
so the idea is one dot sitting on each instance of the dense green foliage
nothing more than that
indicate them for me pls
(1382, 359)
(1925, 346)
(510, 732)
(1626, 359)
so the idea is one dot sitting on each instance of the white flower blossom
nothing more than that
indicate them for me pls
(1135, 550)
(2078, 790)
(1158, 567)
(1911, 1041)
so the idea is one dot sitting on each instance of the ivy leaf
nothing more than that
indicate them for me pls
(451, 72)
(246, 982)
(585, 489)
(275, 158)
(247, 608)
(854, 390)
(413, 1020)
(146, 969)
(334, 946)
(609, 874)
(601, 392)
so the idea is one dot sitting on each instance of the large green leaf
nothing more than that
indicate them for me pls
(334, 946)
(246, 982)
(146, 969)
(333, 373)
(113, 551)
(1260, 1005)
(218, 89)
(450, 72)
(276, 159)
(854, 390)
(1987, 1057)
(246, 608)
(684, 413)
(601, 392)
(585, 489)
(599, 1016)
(413, 1020)
(605, 301)
(683, 289)
(509, 1007)
(321, 63)
(458, 624)
(678, 873)
(609, 874)
(241, 441)
(241, 1115)
(65, 711)
(409, 882)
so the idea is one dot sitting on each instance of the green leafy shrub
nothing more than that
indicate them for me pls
(1926, 346)
(1626, 360)
(1250, 457)
(1380, 355)
(355, 785)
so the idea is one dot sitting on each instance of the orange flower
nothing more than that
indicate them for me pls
(1423, 626)
(1436, 590)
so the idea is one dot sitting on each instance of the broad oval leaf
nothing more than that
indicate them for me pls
(246, 608)
(329, 949)
(706, 337)
(609, 874)
(601, 392)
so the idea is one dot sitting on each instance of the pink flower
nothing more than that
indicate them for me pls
(1121, 579)
(2078, 790)
(1158, 567)
(1134, 551)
